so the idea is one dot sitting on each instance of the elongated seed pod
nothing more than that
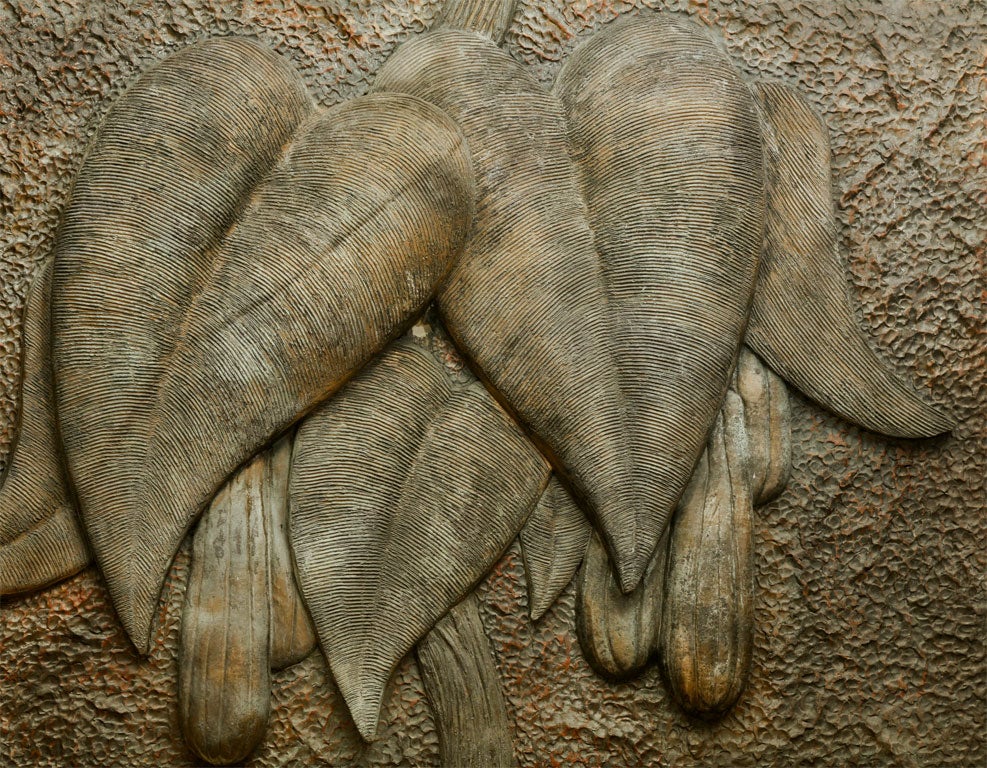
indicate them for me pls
(553, 543)
(802, 323)
(224, 683)
(618, 632)
(208, 294)
(406, 488)
(464, 689)
(40, 538)
(767, 417)
(708, 625)
(666, 136)
(292, 633)
(526, 300)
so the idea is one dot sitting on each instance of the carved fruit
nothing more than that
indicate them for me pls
(40, 539)
(618, 631)
(292, 633)
(666, 136)
(526, 300)
(224, 683)
(406, 487)
(767, 417)
(802, 323)
(208, 294)
(707, 624)
(553, 543)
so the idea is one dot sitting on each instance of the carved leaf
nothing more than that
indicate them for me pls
(208, 294)
(406, 487)
(618, 632)
(292, 633)
(553, 542)
(802, 323)
(666, 136)
(40, 539)
(526, 301)
(464, 689)
(224, 684)
(767, 417)
(490, 18)
(708, 622)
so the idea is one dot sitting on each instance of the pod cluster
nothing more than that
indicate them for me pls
(633, 263)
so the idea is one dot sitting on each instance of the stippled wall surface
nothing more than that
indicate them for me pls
(870, 605)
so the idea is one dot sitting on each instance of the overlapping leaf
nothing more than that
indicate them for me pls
(666, 136)
(40, 538)
(553, 543)
(802, 323)
(406, 487)
(208, 293)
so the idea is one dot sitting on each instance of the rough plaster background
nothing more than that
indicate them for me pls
(870, 646)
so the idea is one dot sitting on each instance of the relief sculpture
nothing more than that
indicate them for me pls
(356, 352)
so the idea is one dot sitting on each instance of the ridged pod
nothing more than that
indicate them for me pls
(406, 487)
(667, 139)
(707, 626)
(553, 543)
(224, 683)
(292, 633)
(618, 632)
(40, 538)
(208, 294)
(802, 323)
(464, 689)
(767, 416)
(526, 301)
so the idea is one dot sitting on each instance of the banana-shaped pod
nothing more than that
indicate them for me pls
(707, 625)
(802, 323)
(228, 259)
(41, 541)
(667, 139)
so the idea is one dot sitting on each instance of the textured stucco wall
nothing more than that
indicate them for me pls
(870, 600)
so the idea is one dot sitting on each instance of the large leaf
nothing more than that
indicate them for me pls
(802, 322)
(527, 301)
(40, 538)
(667, 139)
(406, 487)
(553, 542)
(208, 294)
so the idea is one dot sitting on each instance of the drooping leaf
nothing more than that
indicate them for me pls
(224, 684)
(406, 487)
(707, 626)
(553, 542)
(618, 631)
(802, 323)
(464, 689)
(527, 301)
(666, 136)
(40, 538)
(768, 421)
(207, 293)
(292, 633)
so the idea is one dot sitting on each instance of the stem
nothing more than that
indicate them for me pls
(463, 686)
